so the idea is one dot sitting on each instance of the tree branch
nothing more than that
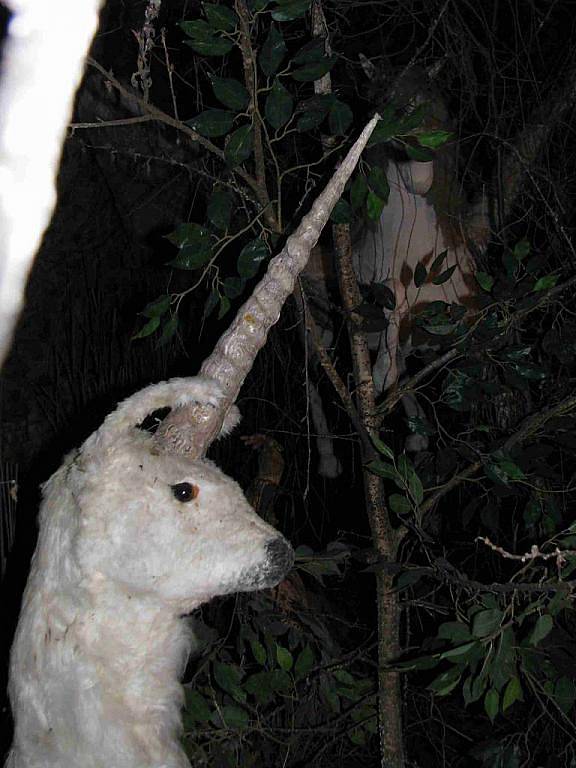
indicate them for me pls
(529, 426)
(163, 117)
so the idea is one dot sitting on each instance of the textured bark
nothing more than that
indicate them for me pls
(249, 66)
(384, 536)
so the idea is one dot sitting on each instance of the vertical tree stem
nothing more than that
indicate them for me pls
(386, 539)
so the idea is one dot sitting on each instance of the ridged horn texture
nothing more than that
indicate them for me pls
(190, 429)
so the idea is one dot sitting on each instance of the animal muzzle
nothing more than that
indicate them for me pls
(280, 558)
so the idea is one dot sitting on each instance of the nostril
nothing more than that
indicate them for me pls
(280, 555)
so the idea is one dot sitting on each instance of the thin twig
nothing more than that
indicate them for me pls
(528, 427)
(558, 554)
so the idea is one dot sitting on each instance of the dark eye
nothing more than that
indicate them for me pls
(185, 491)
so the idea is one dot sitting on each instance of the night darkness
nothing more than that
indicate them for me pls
(169, 207)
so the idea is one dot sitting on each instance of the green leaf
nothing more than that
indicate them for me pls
(443, 277)
(419, 426)
(374, 206)
(230, 92)
(258, 5)
(220, 17)
(501, 469)
(280, 681)
(410, 479)
(445, 682)
(304, 662)
(385, 129)
(273, 52)
(504, 664)
(414, 119)
(545, 283)
(495, 472)
(530, 372)
(433, 139)
(311, 52)
(234, 287)
(211, 302)
(420, 275)
(341, 213)
(258, 651)
(486, 623)
(438, 261)
(220, 208)
(234, 717)
(229, 678)
(420, 154)
(148, 329)
(340, 118)
(358, 192)
(378, 183)
(191, 257)
(279, 105)
(382, 448)
(310, 119)
(263, 684)
(492, 703)
(399, 504)
(473, 688)
(224, 306)
(284, 658)
(543, 627)
(484, 280)
(511, 469)
(458, 651)
(288, 10)
(189, 234)
(459, 389)
(239, 146)
(512, 693)
(251, 258)
(521, 249)
(357, 736)
(215, 46)
(196, 707)
(510, 264)
(158, 307)
(517, 353)
(198, 29)
(314, 71)
(455, 631)
(259, 686)
(409, 578)
(565, 694)
(532, 512)
(212, 122)
(169, 330)
(383, 470)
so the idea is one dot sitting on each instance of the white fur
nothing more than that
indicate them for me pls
(101, 644)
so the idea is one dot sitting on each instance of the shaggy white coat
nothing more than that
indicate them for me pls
(100, 644)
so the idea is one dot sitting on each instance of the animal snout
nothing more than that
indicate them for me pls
(280, 558)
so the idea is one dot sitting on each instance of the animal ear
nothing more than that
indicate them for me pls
(370, 70)
(173, 394)
(231, 421)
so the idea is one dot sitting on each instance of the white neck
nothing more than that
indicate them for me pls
(109, 693)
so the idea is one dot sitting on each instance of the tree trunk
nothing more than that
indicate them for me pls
(385, 538)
